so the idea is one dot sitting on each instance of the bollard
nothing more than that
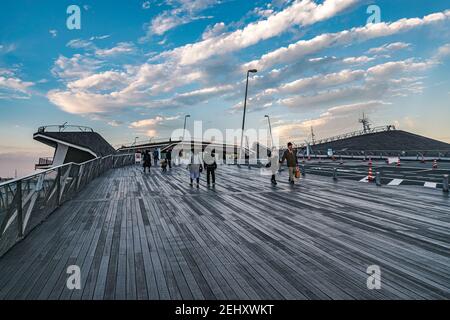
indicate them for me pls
(378, 179)
(303, 171)
(445, 183)
(335, 174)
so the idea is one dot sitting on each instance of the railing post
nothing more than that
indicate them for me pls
(58, 187)
(445, 183)
(378, 179)
(335, 174)
(303, 170)
(19, 207)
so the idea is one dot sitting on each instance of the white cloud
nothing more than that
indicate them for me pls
(183, 12)
(100, 81)
(147, 122)
(320, 81)
(12, 87)
(299, 13)
(99, 37)
(121, 48)
(79, 44)
(379, 81)
(150, 125)
(358, 60)
(334, 120)
(443, 52)
(370, 31)
(391, 47)
(214, 31)
(115, 123)
(78, 66)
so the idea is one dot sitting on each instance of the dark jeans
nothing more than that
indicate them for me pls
(210, 173)
(169, 162)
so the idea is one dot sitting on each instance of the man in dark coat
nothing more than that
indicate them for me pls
(156, 157)
(169, 158)
(290, 155)
(209, 160)
(147, 161)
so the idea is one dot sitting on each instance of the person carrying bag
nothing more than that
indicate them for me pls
(290, 156)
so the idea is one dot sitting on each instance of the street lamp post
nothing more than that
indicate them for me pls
(245, 109)
(184, 127)
(270, 129)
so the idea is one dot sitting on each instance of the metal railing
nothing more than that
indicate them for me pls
(64, 127)
(28, 201)
(44, 163)
(350, 135)
(383, 154)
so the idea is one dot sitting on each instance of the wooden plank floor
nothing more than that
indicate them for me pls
(152, 236)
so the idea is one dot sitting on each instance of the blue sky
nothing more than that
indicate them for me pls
(137, 67)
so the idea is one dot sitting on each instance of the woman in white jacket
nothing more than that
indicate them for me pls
(195, 166)
(274, 164)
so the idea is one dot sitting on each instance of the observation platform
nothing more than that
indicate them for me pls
(152, 236)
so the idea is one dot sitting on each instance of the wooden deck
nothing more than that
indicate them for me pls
(138, 236)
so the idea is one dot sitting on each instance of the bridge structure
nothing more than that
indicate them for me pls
(136, 235)
(152, 236)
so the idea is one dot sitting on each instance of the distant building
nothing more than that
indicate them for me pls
(72, 144)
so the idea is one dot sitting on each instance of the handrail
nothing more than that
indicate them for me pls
(61, 128)
(351, 135)
(60, 166)
(27, 201)
(139, 144)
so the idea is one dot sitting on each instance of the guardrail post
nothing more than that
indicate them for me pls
(58, 187)
(335, 174)
(378, 178)
(445, 183)
(19, 207)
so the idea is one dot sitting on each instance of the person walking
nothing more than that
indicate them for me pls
(211, 166)
(290, 156)
(147, 161)
(156, 157)
(169, 158)
(195, 167)
(273, 164)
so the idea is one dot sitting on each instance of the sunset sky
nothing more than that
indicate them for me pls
(135, 68)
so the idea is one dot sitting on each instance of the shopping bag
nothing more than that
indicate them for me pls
(297, 173)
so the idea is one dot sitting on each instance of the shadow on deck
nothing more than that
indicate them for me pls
(138, 236)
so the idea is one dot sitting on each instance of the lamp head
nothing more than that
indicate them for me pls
(253, 71)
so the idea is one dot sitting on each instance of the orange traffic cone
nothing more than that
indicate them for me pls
(398, 163)
(334, 158)
(435, 165)
(370, 176)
